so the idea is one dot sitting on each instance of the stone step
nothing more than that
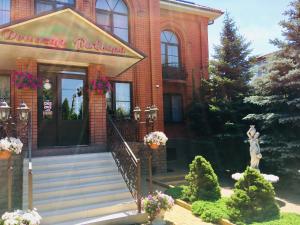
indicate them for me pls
(121, 218)
(69, 172)
(70, 158)
(84, 212)
(90, 187)
(72, 180)
(69, 163)
(50, 204)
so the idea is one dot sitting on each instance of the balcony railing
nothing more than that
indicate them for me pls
(174, 73)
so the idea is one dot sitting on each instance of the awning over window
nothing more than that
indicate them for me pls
(65, 37)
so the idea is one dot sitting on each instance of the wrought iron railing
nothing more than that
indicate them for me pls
(128, 164)
(174, 73)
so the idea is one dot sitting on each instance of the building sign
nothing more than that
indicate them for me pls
(47, 109)
(77, 43)
(64, 30)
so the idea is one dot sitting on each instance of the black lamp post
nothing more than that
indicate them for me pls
(151, 114)
(23, 114)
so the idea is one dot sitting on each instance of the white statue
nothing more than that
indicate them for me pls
(254, 147)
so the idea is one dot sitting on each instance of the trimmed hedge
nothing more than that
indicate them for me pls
(209, 211)
(253, 199)
(202, 181)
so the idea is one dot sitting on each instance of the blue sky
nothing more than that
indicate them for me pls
(257, 20)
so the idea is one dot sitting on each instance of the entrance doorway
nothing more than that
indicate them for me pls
(62, 106)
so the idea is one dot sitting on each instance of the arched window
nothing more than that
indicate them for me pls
(113, 16)
(169, 49)
(51, 5)
(4, 11)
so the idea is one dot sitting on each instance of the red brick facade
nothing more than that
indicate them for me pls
(147, 19)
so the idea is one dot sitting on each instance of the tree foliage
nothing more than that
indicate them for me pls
(277, 98)
(219, 107)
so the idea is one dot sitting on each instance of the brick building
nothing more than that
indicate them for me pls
(153, 52)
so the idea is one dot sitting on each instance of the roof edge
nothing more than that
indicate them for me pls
(192, 8)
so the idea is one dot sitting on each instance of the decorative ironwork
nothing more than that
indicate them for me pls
(128, 164)
(174, 73)
(128, 129)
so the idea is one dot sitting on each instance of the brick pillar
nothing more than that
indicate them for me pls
(28, 96)
(97, 110)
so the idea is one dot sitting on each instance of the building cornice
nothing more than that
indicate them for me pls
(186, 7)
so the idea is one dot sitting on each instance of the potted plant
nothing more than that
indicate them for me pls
(10, 145)
(155, 139)
(156, 205)
(25, 80)
(101, 85)
(19, 217)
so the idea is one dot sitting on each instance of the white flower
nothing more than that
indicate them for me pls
(4, 144)
(11, 144)
(20, 217)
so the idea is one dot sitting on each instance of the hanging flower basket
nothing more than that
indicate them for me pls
(8, 146)
(100, 85)
(5, 154)
(155, 139)
(154, 146)
(25, 80)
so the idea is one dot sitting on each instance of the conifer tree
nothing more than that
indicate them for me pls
(219, 107)
(277, 97)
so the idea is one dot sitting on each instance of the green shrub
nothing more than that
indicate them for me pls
(202, 181)
(210, 211)
(175, 192)
(253, 199)
(285, 219)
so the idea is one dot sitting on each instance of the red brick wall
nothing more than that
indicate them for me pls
(147, 21)
(97, 109)
(28, 96)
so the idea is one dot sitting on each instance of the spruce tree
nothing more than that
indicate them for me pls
(219, 108)
(232, 62)
(277, 97)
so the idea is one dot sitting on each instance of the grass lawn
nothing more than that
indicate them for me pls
(213, 211)
(285, 219)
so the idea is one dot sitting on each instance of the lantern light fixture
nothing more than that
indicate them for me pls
(4, 111)
(137, 113)
(153, 112)
(23, 112)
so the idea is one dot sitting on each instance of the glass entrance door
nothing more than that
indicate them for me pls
(63, 112)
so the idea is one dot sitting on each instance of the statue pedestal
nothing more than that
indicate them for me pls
(269, 177)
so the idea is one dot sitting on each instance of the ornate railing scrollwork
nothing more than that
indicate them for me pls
(128, 164)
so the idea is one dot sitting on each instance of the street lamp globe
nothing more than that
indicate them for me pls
(23, 112)
(4, 111)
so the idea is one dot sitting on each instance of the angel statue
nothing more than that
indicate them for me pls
(254, 147)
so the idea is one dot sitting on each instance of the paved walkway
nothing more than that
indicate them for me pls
(182, 216)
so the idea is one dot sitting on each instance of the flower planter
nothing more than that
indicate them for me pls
(4, 155)
(154, 146)
(159, 219)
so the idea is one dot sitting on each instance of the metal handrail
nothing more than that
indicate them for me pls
(128, 164)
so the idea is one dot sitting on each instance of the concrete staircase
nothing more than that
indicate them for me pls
(80, 189)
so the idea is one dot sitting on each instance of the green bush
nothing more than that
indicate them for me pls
(285, 219)
(202, 181)
(176, 192)
(253, 199)
(210, 211)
